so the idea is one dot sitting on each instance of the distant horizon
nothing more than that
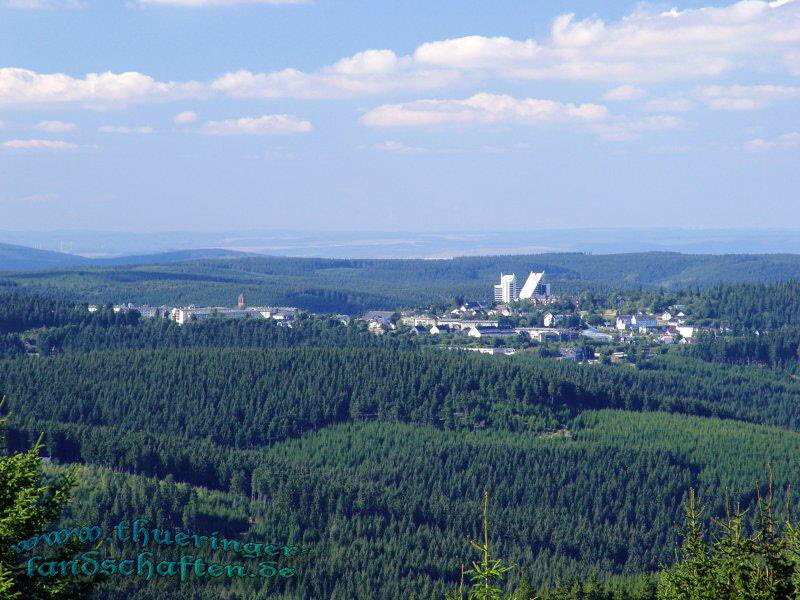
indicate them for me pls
(413, 244)
(362, 230)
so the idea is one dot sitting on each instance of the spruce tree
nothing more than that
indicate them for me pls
(27, 507)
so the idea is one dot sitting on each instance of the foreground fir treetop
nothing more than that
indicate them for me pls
(763, 564)
(27, 507)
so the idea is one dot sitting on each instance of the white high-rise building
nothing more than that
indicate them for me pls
(534, 287)
(506, 290)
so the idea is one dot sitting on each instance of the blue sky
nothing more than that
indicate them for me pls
(147, 115)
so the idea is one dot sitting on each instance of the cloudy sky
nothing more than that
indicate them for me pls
(147, 115)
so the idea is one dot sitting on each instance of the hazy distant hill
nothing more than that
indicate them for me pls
(17, 258)
(170, 257)
(23, 258)
(416, 244)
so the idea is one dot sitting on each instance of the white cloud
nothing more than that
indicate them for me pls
(624, 92)
(366, 73)
(265, 125)
(569, 33)
(124, 129)
(742, 97)
(55, 126)
(202, 3)
(21, 86)
(185, 117)
(480, 109)
(39, 145)
(476, 51)
(647, 45)
(786, 141)
(485, 109)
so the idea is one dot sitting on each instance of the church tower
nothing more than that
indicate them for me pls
(241, 303)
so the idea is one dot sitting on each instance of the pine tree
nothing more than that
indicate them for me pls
(762, 565)
(27, 507)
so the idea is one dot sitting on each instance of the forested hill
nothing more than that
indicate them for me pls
(23, 258)
(373, 451)
(13, 258)
(353, 285)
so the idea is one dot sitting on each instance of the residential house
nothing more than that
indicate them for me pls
(482, 332)
(551, 320)
(415, 320)
(623, 322)
(378, 327)
(500, 309)
(388, 315)
(461, 324)
(543, 335)
(597, 336)
(643, 322)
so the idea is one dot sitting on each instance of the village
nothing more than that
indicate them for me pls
(531, 319)
(527, 318)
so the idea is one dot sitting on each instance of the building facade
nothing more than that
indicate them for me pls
(506, 291)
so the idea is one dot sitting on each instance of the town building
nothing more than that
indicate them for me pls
(378, 327)
(643, 322)
(638, 322)
(482, 332)
(184, 315)
(506, 291)
(461, 324)
(597, 336)
(551, 320)
(534, 287)
(387, 315)
(415, 320)
(493, 351)
(501, 309)
(145, 310)
(537, 334)
(279, 313)
(573, 353)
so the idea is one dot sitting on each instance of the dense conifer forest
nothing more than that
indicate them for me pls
(374, 451)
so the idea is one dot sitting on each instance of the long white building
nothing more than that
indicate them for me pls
(184, 315)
